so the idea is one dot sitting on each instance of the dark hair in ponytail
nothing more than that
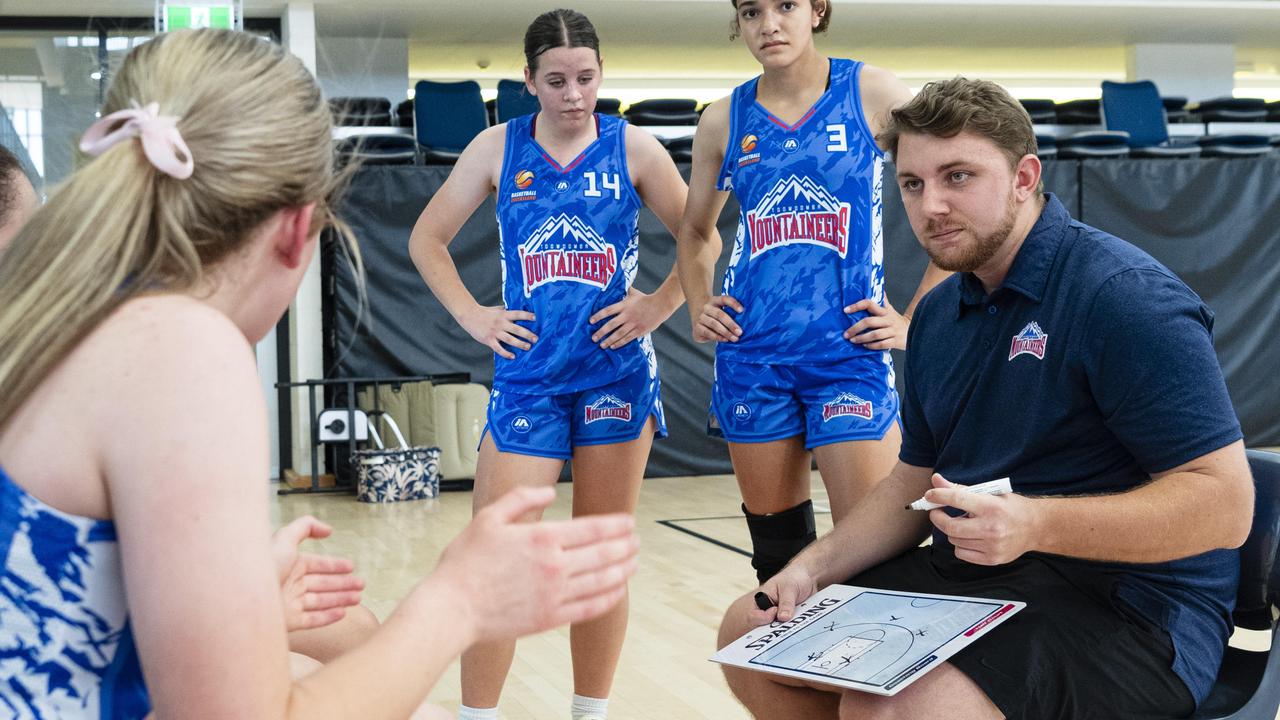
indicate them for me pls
(558, 28)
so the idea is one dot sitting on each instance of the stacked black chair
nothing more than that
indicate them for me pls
(491, 111)
(1273, 111)
(1094, 144)
(1231, 109)
(1042, 112)
(1248, 684)
(377, 150)
(447, 116)
(361, 111)
(1046, 147)
(1175, 109)
(681, 149)
(1229, 145)
(665, 111)
(404, 114)
(1080, 112)
(609, 106)
(1136, 108)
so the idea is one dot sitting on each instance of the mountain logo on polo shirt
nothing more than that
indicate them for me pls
(846, 404)
(1030, 341)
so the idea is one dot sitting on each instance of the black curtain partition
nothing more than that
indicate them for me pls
(1209, 220)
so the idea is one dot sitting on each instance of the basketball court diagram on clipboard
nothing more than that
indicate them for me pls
(875, 641)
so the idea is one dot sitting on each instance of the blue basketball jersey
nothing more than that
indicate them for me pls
(569, 248)
(809, 235)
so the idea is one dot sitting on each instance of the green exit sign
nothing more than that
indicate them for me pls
(178, 17)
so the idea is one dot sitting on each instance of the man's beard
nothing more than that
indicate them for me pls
(969, 259)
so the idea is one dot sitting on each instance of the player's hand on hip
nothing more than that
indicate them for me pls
(632, 317)
(315, 589)
(515, 578)
(882, 329)
(496, 328)
(712, 323)
(995, 529)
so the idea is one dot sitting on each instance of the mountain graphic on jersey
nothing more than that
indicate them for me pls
(608, 407)
(798, 211)
(845, 405)
(565, 248)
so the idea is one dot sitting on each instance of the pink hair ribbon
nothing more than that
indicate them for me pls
(161, 141)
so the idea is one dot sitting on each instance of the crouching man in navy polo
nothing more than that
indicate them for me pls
(1076, 365)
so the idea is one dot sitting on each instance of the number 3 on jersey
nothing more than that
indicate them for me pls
(836, 140)
(608, 181)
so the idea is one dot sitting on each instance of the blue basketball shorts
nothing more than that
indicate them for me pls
(851, 399)
(552, 425)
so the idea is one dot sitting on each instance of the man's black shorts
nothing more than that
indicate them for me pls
(1073, 652)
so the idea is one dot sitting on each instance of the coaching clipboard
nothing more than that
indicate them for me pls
(876, 641)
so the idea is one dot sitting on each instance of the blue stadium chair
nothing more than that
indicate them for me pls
(1094, 144)
(1248, 684)
(1136, 108)
(514, 100)
(446, 116)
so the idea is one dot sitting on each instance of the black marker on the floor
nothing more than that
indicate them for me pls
(764, 602)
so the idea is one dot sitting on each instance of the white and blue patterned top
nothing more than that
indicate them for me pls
(66, 650)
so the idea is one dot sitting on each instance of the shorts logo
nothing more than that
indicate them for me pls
(798, 211)
(845, 405)
(1030, 341)
(791, 145)
(749, 155)
(521, 424)
(523, 180)
(741, 411)
(608, 407)
(565, 248)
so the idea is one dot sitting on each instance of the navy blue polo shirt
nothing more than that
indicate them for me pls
(1089, 369)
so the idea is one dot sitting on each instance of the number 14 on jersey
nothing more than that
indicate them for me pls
(607, 181)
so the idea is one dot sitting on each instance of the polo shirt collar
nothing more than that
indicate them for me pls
(1029, 273)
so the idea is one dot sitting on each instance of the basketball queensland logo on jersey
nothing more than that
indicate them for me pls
(1030, 341)
(749, 154)
(523, 180)
(847, 405)
(565, 248)
(607, 407)
(798, 211)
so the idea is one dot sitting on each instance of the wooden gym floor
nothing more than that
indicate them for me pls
(689, 572)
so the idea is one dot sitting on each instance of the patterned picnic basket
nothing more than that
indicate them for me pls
(387, 475)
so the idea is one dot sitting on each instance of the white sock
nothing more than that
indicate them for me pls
(470, 713)
(587, 707)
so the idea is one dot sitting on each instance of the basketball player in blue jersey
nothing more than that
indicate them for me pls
(802, 323)
(575, 376)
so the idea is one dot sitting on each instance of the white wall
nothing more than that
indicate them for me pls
(363, 67)
(1194, 71)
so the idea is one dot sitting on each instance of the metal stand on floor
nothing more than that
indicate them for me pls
(351, 385)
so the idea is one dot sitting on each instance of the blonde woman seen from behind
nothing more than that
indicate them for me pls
(133, 432)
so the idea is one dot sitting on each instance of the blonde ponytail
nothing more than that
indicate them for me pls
(259, 132)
